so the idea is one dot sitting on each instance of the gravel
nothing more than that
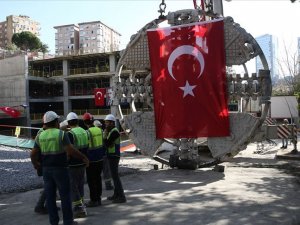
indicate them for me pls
(16, 171)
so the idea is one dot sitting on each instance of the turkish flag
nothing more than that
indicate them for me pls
(189, 80)
(99, 96)
(11, 111)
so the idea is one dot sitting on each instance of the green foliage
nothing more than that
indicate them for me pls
(44, 48)
(11, 47)
(28, 41)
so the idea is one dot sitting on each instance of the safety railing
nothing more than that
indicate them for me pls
(88, 70)
(40, 73)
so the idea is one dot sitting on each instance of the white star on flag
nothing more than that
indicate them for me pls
(188, 89)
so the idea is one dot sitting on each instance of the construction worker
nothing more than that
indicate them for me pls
(55, 147)
(95, 154)
(79, 138)
(106, 170)
(112, 145)
(64, 125)
(285, 140)
(40, 206)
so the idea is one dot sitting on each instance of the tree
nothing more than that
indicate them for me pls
(44, 48)
(289, 66)
(11, 47)
(28, 41)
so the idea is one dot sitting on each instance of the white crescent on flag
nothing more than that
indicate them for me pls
(99, 95)
(8, 109)
(189, 50)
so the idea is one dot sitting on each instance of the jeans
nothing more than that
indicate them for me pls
(58, 177)
(94, 180)
(77, 184)
(114, 169)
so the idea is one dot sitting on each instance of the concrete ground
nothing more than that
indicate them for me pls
(254, 189)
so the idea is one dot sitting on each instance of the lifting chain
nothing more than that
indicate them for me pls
(162, 9)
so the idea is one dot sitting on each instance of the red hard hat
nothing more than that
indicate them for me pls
(87, 116)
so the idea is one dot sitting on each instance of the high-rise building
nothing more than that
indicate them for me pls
(269, 46)
(16, 24)
(96, 37)
(66, 39)
(86, 38)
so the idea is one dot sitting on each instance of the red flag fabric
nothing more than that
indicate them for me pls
(189, 80)
(99, 96)
(11, 111)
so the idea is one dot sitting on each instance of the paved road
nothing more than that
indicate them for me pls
(254, 189)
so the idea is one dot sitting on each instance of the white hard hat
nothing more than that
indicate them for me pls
(72, 116)
(63, 124)
(110, 117)
(49, 117)
(97, 123)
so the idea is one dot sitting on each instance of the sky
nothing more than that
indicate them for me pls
(257, 17)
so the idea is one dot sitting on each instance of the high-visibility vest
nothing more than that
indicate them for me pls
(96, 150)
(80, 137)
(114, 149)
(95, 137)
(50, 141)
(80, 142)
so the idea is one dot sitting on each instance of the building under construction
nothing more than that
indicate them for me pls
(61, 84)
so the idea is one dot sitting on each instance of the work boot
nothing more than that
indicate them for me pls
(108, 185)
(93, 203)
(294, 151)
(119, 200)
(79, 211)
(111, 197)
(41, 210)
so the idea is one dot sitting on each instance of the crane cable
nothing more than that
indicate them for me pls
(202, 8)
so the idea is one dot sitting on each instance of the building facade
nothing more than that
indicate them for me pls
(96, 37)
(16, 24)
(62, 84)
(66, 39)
(269, 46)
(85, 38)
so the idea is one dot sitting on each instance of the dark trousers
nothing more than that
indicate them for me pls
(106, 169)
(41, 203)
(77, 184)
(114, 170)
(56, 177)
(94, 180)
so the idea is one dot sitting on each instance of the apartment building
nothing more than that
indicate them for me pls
(96, 37)
(16, 24)
(66, 39)
(86, 38)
